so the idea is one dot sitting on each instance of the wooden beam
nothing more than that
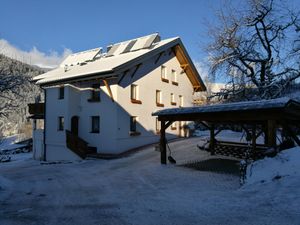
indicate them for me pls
(212, 139)
(291, 133)
(108, 89)
(253, 139)
(271, 129)
(124, 74)
(163, 143)
(157, 59)
(135, 70)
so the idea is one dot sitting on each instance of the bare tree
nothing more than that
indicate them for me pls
(253, 48)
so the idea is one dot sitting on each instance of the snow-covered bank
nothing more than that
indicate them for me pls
(286, 163)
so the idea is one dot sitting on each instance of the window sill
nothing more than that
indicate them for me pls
(165, 80)
(93, 100)
(134, 133)
(159, 104)
(173, 103)
(95, 132)
(175, 83)
(135, 101)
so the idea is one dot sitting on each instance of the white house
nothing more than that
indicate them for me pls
(102, 101)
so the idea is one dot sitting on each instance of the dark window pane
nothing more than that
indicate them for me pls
(95, 124)
(61, 93)
(95, 94)
(133, 123)
(61, 123)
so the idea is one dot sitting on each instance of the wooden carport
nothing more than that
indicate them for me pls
(266, 114)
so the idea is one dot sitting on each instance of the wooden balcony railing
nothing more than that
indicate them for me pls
(76, 144)
(36, 110)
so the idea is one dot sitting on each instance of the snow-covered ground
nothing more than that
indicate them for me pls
(139, 190)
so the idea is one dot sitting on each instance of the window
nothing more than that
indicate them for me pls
(164, 77)
(173, 99)
(173, 126)
(180, 101)
(174, 77)
(158, 99)
(95, 93)
(61, 123)
(134, 91)
(133, 126)
(157, 125)
(95, 124)
(61, 92)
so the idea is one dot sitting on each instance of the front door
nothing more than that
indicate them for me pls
(74, 125)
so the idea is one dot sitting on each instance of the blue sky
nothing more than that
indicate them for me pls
(49, 28)
(79, 25)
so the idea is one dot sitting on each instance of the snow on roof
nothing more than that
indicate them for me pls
(237, 106)
(119, 54)
(81, 57)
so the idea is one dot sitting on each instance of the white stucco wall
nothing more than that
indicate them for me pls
(148, 79)
(114, 116)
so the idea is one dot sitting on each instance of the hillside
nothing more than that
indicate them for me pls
(16, 92)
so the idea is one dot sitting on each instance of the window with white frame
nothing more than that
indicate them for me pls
(174, 77)
(61, 92)
(95, 124)
(133, 123)
(164, 76)
(157, 125)
(180, 101)
(61, 123)
(173, 99)
(134, 94)
(159, 98)
(173, 126)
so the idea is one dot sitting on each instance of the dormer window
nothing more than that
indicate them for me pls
(134, 92)
(61, 92)
(164, 76)
(95, 93)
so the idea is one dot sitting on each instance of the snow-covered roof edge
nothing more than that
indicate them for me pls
(237, 106)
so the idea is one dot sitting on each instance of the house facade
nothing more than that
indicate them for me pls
(102, 102)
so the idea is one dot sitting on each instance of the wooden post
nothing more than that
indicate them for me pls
(212, 139)
(253, 138)
(271, 133)
(163, 145)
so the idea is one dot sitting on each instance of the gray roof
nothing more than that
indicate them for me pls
(120, 57)
(230, 107)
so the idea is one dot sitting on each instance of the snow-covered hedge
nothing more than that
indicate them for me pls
(286, 163)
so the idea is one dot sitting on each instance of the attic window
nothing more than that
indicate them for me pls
(95, 93)
(134, 91)
(174, 78)
(61, 92)
(163, 72)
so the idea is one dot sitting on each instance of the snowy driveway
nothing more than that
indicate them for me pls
(136, 190)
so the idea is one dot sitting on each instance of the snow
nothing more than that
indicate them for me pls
(139, 190)
(286, 163)
(237, 106)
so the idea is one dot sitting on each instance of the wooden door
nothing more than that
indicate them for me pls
(74, 125)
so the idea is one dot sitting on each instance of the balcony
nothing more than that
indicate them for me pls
(36, 110)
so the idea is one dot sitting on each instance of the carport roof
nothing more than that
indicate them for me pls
(281, 108)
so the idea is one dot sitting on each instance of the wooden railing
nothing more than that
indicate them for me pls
(76, 144)
(36, 109)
